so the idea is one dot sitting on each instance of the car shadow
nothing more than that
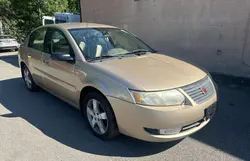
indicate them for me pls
(10, 59)
(63, 123)
(229, 131)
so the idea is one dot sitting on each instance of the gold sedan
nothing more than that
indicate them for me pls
(119, 83)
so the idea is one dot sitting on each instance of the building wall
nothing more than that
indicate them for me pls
(211, 33)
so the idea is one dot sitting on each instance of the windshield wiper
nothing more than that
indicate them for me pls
(137, 52)
(100, 57)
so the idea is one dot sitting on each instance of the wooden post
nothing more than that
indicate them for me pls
(80, 7)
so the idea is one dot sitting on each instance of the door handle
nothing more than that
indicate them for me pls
(29, 56)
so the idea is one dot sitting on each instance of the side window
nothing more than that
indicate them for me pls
(57, 42)
(36, 40)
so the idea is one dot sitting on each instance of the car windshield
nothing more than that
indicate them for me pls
(107, 42)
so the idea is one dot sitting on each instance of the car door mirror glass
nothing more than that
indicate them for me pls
(62, 56)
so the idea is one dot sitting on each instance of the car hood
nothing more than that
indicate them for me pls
(152, 72)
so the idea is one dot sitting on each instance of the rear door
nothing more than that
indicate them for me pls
(35, 54)
(59, 76)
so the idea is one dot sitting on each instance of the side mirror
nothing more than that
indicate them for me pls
(61, 56)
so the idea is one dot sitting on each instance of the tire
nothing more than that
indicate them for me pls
(110, 126)
(28, 80)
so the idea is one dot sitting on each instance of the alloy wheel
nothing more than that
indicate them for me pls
(27, 78)
(97, 116)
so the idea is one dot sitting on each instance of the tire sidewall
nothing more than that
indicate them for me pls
(112, 129)
(33, 85)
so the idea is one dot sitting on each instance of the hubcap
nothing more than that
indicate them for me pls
(27, 78)
(97, 116)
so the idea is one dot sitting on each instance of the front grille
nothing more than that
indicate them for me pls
(200, 91)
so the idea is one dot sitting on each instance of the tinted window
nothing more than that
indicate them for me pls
(56, 42)
(36, 40)
(49, 21)
(59, 43)
(61, 21)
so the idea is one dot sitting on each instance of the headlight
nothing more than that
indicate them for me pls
(161, 98)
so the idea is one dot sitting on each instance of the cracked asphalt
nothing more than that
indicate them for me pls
(39, 126)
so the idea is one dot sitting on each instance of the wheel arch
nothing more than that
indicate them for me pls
(22, 65)
(88, 89)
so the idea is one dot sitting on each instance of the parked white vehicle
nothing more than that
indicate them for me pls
(67, 17)
(8, 43)
(61, 18)
(48, 20)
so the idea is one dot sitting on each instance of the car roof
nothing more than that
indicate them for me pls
(80, 25)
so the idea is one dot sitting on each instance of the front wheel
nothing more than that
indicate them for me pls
(28, 80)
(100, 116)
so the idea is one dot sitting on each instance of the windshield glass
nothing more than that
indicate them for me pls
(107, 42)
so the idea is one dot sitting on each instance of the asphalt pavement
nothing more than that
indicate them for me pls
(38, 126)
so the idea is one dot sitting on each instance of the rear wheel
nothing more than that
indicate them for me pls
(28, 80)
(99, 116)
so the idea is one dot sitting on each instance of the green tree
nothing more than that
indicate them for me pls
(73, 5)
(49, 7)
(19, 17)
(6, 14)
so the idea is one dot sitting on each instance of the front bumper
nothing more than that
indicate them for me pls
(132, 119)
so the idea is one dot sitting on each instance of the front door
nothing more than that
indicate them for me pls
(34, 53)
(59, 76)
